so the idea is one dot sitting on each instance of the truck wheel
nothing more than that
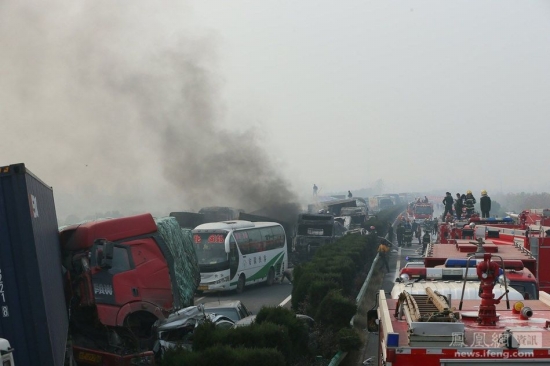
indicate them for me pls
(240, 285)
(270, 277)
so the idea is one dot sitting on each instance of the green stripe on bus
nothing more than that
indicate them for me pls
(265, 269)
(262, 272)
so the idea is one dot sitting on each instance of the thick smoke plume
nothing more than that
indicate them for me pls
(118, 107)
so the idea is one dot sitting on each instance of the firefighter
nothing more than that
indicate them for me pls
(485, 203)
(434, 226)
(469, 202)
(383, 251)
(414, 228)
(400, 230)
(458, 206)
(448, 203)
(407, 235)
(425, 241)
(349, 194)
(390, 232)
(372, 238)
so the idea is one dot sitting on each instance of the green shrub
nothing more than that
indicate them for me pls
(298, 331)
(253, 336)
(348, 339)
(224, 355)
(335, 311)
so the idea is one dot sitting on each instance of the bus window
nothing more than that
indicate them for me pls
(267, 239)
(279, 236)
(254, 240)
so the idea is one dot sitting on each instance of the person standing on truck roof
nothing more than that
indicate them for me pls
(448, 203)
(485, 203)
(349, 194)
(469, 203)
(458, 206)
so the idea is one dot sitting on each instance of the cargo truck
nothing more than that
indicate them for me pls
(89, 292)
(314, 231)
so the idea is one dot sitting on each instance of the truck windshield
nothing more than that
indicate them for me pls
(527, 289)
(423, 210)
(210, 247)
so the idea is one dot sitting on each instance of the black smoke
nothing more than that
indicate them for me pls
(118, 106)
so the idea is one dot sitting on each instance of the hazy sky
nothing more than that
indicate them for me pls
(163, 106)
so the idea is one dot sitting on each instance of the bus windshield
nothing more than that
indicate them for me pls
(210, 247)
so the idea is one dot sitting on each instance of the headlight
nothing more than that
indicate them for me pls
(222, 280)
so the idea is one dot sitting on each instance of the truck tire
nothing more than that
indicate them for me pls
(240, 284)
(270, 277)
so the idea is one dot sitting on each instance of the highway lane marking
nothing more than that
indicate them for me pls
(285, 301)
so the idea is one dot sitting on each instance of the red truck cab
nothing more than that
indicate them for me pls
(123, 273)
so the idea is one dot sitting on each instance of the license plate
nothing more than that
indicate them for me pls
(203, 287)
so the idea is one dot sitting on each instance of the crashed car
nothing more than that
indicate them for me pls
(307, 320)
(178, 328)
(233, 309)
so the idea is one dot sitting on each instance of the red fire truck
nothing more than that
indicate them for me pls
(420, 211)
(430, 329)
(520, 265)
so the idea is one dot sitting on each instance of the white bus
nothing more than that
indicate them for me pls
(233, 254)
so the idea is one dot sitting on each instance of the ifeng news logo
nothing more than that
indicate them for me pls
(498, 339)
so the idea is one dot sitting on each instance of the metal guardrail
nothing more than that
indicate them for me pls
(337, 359)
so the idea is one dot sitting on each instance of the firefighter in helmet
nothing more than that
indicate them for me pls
(469, 203)
(407, 234)
(485, 204)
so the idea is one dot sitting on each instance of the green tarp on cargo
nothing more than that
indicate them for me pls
(186, 265)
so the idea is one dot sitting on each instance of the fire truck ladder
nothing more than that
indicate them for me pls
(430, 321)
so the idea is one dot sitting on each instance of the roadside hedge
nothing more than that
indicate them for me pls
(326, 287)
(224, 355)
(264, 335)
(335, 266)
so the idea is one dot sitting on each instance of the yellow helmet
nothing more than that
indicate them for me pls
(468, 192)
(484, 193)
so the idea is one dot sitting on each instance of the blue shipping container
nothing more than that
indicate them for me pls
(33, 315)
